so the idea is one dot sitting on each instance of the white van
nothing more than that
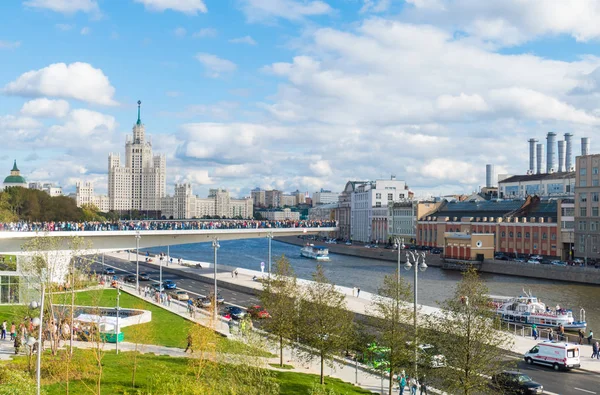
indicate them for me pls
(559, 355)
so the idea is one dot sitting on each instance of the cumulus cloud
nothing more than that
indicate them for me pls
(320, 168)
(45, 108)
(64, 6)
(293, 10)
(190, 7)
(205, 33)
(243, 40)
(214, 65)
(78, 80)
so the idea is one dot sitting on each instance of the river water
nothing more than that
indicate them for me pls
(435, 284)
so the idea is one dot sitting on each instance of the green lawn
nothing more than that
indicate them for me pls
(165, 329)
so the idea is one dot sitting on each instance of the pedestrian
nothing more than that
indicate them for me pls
(232, 273)
(169, 300)
(423, 386)
(590, 336)
(561, 332)
(171, 261)
(189, 344)
(534, 331)
(353, 291)
(17, 344)
(358, 292)
(13, 331)
(401, 383)
(595, 350)
(551, 335)
(3, 335)
(413, 386)
(581, 336)
(230, 325)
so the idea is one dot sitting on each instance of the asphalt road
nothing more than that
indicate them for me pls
(575, 382)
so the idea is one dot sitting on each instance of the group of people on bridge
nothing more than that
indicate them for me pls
(57, 226)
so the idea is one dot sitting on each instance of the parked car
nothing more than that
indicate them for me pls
(367, 246)
(258, 312)
(129, 279)
(501, 257)
(144, 276)
(559, 263)
(109, 270)
(520, 260)
(537, 257)
(220, 299)
(236, 312)
(436, 251)
(578, 260)
(534, 261)
(180, 295)
(511, 382)
(557, 355)
(169, 284)
(203, 302)
(348, 243)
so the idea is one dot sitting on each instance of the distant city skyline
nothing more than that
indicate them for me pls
(294, 94)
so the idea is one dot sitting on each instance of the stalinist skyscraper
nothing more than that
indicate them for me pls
(140, 183)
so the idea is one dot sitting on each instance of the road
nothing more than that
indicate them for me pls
(563, 383)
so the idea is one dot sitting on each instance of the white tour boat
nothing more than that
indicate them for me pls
(528, 310)
(312, 252)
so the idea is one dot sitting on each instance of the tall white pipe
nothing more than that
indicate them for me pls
(569, 153)
(540, 158)
(562, 149)
(489, 175)
(551, 152)
(585, 146)
(532, 164)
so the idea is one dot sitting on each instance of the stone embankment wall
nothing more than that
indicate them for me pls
(576, 274)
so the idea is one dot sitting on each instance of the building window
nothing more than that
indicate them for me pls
(503, 234)
(594, 211)
(583, 171)
(544, 236)
(594, 196)
(583, 211)
(390, 196)
(377, 204)
(519, 235)
(553, 236)
(595, 183)
(378, 196)
(583, 183)
(510, 234)
(526, 235)
(594, 170)
(582, 225)
(583, 197)
(593, 225)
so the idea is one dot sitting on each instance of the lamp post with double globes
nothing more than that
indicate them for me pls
(422, 267)
(37, 322)
(137, 260)
(270, 237)
(216, 246)
(399, 244)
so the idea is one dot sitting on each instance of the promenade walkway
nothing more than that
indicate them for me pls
(522, 340)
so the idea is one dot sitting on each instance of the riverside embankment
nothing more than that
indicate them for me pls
(575, 274)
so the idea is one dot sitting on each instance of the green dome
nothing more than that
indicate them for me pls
(15, 180)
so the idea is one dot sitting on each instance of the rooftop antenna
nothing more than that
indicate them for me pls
(139, 121)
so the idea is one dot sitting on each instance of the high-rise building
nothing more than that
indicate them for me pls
(139, 183)
(587, 207)
(324, 197)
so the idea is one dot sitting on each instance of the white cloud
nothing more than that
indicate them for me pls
(9, 44)
(85, 31)
(173, 93)
(64, 6)
(191, 7)
(243, 40)
(45, 108)
(64, 26)
(320, 168)
(78, 80)
(205, 32)
(10, 122)
(82, 128)
(215, 65)
(179, 32)
(375, 6)
(294, 10)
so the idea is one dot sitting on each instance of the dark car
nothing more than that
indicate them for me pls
(169, 284)
(129, 279)
(235, 312)
(157, 287)
(436, 251)
(511, 382)
(144, 276)
(109, 270)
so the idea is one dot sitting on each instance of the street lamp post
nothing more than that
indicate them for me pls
(422, 266)
(117, 331)
(399, 243)
(270, 237)
(34, 306)
(137, 261)
(216, 246)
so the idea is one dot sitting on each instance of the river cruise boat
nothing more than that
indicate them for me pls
(315, 252)
(528, 310)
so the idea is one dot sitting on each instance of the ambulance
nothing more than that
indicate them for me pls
(558, 355)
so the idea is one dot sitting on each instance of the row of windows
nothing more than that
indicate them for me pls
(583, 211)
(583, 183)
(594, 225)
(527, 235)
(583, 171)
(593, 197)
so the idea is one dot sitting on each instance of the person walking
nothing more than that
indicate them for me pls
(423, 386)
(189, 344)
(17, 344)
(232, 273)
(581, 336)
(401, 383)
(413, 386)
(534, 331)
(236, 273)
(3, 335)
(590, 337)
(358, 292)
(353, 291)
(595, 350)
(551, 335)
(13, 331)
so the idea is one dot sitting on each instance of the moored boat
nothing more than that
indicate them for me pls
(529, 310)
(315, 252)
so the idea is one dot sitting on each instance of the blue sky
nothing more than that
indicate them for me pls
(295, 94)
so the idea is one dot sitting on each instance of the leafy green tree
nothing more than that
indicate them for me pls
(325, 323)
(393, 313)
(278, 297)
(471, 344)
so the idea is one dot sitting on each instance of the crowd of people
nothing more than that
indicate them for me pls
(58, 226)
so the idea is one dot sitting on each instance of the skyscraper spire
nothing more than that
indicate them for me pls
(139, 121)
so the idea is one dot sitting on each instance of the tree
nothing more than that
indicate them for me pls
(279, 297)
(393, 313)
(325, 323)
(258, 216)
(471, 344)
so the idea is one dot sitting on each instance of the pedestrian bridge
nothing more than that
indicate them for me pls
(115, 240)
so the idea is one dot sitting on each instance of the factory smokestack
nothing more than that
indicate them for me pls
(540, 157)
(585, 146)
(490, 172)
(569, 154)
(562, 149)
(551, 152)
(532, 167)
